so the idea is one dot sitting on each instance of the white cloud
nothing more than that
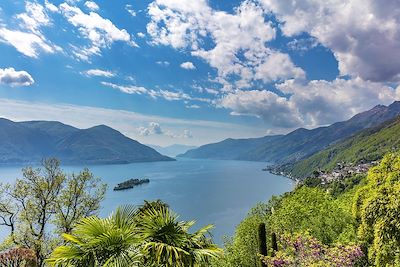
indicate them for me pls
(188, 65)
(278, 66)
(26, 43)
(163, 63)
(91, 5)
(363, 34)
(34, 18)
(13, 78)
(193, 106)
(50, 6)
(29, 40)
(187, 134)
(128, 89)
(321, 102)
(141, 35)
(165, 94)
(100, 32)
(99, 73)
(239, 40)
(275, 110)
(302, 45)
(130, 10)
(310, 104)
(152, 128)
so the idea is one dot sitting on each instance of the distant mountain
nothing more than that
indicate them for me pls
(172, 150)
(366, 146)
(229, 148)
(298, 144)
(30, 142)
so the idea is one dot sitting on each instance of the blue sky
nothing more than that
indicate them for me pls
(194, 72)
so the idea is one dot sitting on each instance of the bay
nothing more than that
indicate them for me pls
(218, 192)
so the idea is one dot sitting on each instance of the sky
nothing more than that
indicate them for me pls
(193, 72)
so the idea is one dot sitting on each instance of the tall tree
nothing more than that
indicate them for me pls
(45, 200)
(377, 209)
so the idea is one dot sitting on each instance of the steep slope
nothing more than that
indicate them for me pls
(298, 144)
(229, 148)
(366, 146)
(20, 144)
(102, 144)
(30, 142)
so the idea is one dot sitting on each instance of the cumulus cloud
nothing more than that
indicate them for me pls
(310, 104)
(278, 66)
(13, 78)
(273, 109)
(91, 5)
(99, 73)
(100, 32)
(187, 134)
(364, 35)
(154, 128)
(239, 40)
(29, 39)
(188, 65)
(141, 35)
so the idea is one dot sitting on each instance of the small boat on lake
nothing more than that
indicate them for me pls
(131, 183)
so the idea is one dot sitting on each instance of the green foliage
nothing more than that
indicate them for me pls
(369, 145)
(377, 209)
(242, 250)
(100, 242)
(310, 209)
(47, 200)
(150, 236)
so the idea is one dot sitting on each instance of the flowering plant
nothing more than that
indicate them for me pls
(305, 250)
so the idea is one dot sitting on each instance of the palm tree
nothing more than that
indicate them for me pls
(168, 243)
(99, 242)
(149, 236)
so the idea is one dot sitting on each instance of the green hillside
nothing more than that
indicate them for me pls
(368, 145)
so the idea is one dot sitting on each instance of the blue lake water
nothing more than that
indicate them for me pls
(218, 192)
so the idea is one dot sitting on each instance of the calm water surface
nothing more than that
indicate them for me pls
(210, 191)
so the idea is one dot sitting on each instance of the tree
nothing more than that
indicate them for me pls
(96, 242)
(46, 198)
(168, 243)
(377, 210)
(149, 236)
(313, 210)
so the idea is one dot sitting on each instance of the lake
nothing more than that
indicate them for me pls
(218, 192)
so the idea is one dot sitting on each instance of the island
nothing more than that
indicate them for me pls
(131, 183)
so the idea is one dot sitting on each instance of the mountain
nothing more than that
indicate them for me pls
(229, 148)
(30, 142)
(172, 150)
(366, 146)
(298, 144)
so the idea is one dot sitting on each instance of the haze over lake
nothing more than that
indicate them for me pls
(219, 192)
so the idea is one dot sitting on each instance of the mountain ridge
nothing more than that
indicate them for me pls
(298, 144)
(31, 141)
